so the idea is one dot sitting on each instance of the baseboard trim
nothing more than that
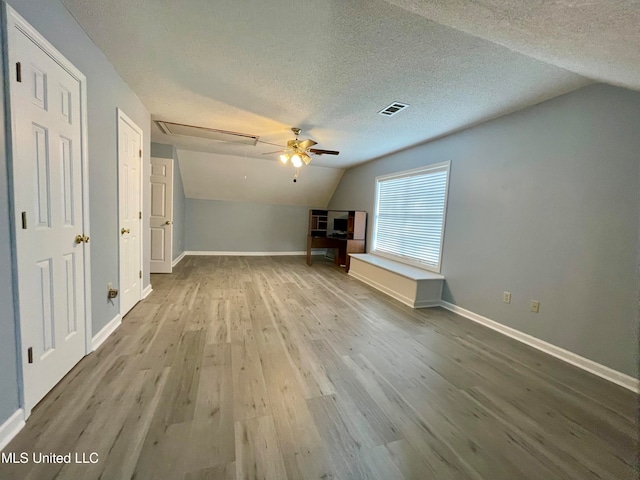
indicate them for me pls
(427, 304)
(177, 260)
(378, 286)
(147, 291)
(250, 254)
(590, 366)
(105, 332)
(11, 427)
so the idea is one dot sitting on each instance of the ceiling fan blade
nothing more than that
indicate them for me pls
(304, 144)
(319, 151)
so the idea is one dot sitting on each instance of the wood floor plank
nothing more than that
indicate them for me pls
(220, 472)
(340, 439)
(249, 391)
(372, 425)
(105, 429)
(489, 446)
(410, 463)
(381, 464)
(258, 455)
(184, 377)
(219, 328)
(442, 461)
(263, 367)
(128, 443)
(303, 451)
(211, 441)
(309, 371)
(569, 456)
(163, 454)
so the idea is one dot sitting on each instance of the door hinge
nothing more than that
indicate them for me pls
(140, 153)
(30, 354)
(18, 72)
(140, 273)
(24, 220)
(140, 215)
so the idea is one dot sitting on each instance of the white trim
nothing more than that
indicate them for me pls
(378, 286)
(409, 173)
(250, 254)
(86, 215)
(426, 304)
(178, 259)
(590, 366)
(441, 166)
(147, 291)
(11, 427)
(120, 115)
(105, 332)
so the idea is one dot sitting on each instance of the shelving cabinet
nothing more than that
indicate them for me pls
(318, 222)
(322, 235)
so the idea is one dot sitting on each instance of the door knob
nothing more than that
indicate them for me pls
(82, 239)
(124, 230)
(168, 222)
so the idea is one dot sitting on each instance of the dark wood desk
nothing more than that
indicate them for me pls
(343, 245)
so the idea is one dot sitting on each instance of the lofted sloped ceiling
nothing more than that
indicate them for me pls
(328, 67)
(230, 177)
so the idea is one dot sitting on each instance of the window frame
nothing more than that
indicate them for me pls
(411, 173)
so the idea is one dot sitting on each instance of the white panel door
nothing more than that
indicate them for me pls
(47, 161)
(129, 197)
(161, 220)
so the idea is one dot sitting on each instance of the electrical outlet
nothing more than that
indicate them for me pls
(506, 297)
(111, 292)
(535, 306)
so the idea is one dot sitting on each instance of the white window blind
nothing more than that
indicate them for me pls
(410, 215)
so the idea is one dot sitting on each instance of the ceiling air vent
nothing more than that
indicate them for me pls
(207, 133)
(392, 109)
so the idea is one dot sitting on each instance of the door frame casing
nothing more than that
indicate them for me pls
(12, 20)
(120, 115)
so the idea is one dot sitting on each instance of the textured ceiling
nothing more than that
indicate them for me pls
(328, 66)
(599, 39)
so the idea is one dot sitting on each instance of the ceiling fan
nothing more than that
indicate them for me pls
(299, 151)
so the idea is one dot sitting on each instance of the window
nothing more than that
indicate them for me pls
(409, 215)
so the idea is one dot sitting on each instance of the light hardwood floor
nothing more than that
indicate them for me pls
(264, 368)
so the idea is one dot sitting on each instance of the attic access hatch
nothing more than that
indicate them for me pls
(193, 131)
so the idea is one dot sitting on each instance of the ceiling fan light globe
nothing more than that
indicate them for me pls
(306, 159)
(284, 158)
(296, 161)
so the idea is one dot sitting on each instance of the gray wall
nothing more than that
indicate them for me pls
(162, 150)
(106, 91)
(215, 225)
(543, 203)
